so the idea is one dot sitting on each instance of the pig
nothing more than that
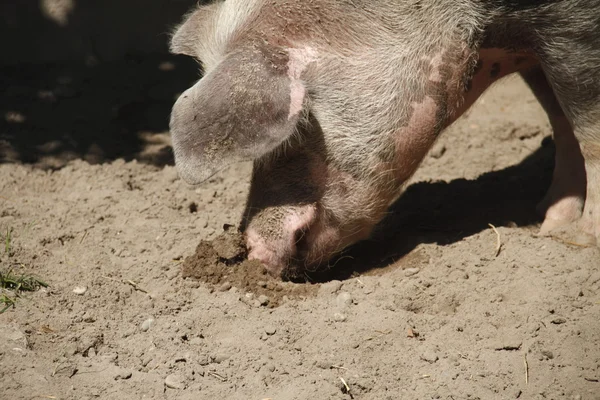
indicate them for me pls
(338, 101)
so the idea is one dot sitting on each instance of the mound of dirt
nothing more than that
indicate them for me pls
(223, 264)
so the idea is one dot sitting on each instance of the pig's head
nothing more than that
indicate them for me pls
(330, 140)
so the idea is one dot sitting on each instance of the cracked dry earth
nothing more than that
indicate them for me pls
(424, 310)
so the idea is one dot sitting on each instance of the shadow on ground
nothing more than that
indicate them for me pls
(51, 114)
(445, 213)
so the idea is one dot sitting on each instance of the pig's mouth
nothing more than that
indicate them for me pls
(301, 244)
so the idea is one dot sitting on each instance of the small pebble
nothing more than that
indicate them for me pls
(264, 300)
(146, 360)
(123, 375)
(204, 360)
(438, 151)
(548, 354)
(192, 284)
(225, 287)
(147, 324)
(339, 317)
(578, 304)
(110, 357)
(558, 321)
(70, 350)
(220, 357)
(270, 330)
(411, 271)
(344, 299)
(172, 274)
(429, 356)
(174, 381)
(330, 287)
(80, 290)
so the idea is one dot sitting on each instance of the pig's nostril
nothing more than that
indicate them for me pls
(300, 244)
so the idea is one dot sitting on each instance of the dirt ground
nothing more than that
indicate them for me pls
(423, 310)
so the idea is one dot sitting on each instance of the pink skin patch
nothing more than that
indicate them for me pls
(275, 254)
(298, 61)
(436, 63)
(414, 140)
(297, 93)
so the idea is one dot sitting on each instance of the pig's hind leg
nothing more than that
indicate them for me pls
(573, 71)
(589, 224)
(564, 201)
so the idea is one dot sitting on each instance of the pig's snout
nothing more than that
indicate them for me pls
(301, 243)
(275, 243)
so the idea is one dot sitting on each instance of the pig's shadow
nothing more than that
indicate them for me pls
(51, 114)
(445, 213)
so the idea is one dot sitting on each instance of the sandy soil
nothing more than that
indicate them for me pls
(424, 310)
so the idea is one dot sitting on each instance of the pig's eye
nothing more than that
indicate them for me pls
(300, 240)
(299, 235)
(200, 65)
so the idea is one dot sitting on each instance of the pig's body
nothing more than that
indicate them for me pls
(338, 101)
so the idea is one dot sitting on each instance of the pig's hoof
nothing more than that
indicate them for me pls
(574, 233)
(563, 215)
(559, 212)
(551, 225)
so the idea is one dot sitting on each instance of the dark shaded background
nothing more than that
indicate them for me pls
(88, 79)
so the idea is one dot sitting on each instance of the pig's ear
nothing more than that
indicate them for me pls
(241, 110)
(197, 24)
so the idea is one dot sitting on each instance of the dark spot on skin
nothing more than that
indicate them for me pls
(478, 67)
(495, 71)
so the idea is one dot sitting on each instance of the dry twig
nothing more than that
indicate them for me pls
(346, 387)
(526, 369)
(219, 377)
(127, 282)
(498, 242)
